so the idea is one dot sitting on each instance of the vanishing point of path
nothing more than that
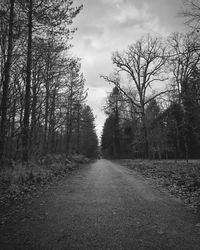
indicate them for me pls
(102, 206)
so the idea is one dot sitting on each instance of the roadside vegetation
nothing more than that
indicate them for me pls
(18, 181)
(181, 179)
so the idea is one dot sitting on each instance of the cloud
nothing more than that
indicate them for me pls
(91, 29)
(112, 2)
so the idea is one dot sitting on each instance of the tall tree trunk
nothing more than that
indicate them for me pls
(47, 88)
(12, 129)
(25, 132)
(68, 133)
(46, 118)
(52, 122)
(177, 145)
(146, 143)
(69, 122)
(6, 81)
(33, 117)
(116, 132)
(78, 128)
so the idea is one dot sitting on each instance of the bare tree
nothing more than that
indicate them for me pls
(144, 63)
(191, 13)
(25, 133)
(6, 73)
(183, 60)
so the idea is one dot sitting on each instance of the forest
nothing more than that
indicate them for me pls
(43, 99)
(63, 187)
(153, 111)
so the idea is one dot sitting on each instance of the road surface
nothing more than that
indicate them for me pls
(102, 206)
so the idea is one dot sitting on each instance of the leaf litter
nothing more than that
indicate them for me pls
(180, 178)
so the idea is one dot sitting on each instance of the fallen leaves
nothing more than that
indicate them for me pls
(180, 178)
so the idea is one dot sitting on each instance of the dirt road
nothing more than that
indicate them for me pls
(102, 206)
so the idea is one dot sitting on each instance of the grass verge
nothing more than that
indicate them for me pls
(19, 181)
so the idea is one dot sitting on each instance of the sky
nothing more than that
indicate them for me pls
(105, 26)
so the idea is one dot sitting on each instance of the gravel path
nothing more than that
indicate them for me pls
(102, 206)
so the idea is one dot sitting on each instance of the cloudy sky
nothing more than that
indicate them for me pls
(105, 26)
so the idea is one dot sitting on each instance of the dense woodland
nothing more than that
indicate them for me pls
(153, 110)
(42, 94)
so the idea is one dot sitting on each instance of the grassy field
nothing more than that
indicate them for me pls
(180, 178)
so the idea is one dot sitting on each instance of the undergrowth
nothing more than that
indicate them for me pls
(19, 180)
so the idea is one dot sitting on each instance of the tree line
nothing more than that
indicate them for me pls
(156, 113)
(42, 90)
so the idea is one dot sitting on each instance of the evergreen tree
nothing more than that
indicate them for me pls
(107, 138)
(88, 136)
